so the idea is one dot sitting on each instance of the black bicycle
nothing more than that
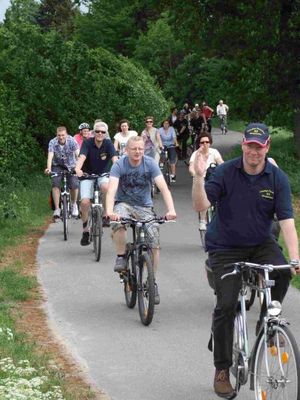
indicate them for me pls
(65, 199)
(138, 278)
(164, 165)
(95, 221)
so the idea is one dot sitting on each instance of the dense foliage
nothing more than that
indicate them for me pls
(124, 58)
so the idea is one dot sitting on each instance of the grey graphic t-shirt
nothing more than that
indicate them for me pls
(135, 182)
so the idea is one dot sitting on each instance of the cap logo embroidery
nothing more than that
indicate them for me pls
(256, 131)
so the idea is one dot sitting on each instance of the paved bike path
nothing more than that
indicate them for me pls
(169, 359)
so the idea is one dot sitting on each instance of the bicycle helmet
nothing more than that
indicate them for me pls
(84, 125)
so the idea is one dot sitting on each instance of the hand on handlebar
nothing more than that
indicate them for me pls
(113, 217)
(79, 172)
(170, 215)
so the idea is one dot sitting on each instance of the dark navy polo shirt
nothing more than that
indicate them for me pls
(246, 204)
(97, 158)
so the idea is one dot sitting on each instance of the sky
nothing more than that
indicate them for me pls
(3, 6)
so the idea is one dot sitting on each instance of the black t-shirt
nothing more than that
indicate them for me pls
(179, 124)
(197, 123)
(97, 158)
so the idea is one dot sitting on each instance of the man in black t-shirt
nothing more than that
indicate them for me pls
(95, 156)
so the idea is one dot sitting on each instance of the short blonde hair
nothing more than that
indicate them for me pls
(134, 139)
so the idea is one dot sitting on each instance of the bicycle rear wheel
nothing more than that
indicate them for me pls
(65, 216)
(166, 174)
(146, 290)
(130, 285)
(97, 230)
(277, 366)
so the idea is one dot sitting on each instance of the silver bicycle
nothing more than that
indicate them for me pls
(273, 364)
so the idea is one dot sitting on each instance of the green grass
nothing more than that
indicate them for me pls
(23, 209)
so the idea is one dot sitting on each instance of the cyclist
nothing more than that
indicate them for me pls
(208, 114)
(222, 111)
(84, 133)
(152, 139)
(173, 117)
(248, 191)
(169, 140)
(120, 138)
(95, 156)
(212, 156)
(182, 128)
(129, 195)
(63, 151)
(197, 122)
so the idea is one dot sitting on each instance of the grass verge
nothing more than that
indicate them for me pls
(32, 363)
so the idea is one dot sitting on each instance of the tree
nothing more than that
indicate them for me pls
(158, 50)
(58, 15)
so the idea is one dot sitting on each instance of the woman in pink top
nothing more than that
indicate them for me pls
(84, 133)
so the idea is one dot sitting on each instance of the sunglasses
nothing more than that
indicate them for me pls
(149, 122)
(103, 132)
(204, 142)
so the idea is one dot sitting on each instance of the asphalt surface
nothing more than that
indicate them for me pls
(167, 360)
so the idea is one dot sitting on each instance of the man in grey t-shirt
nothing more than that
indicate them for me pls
(129, 186)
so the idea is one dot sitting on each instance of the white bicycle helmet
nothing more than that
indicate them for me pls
(83, 125)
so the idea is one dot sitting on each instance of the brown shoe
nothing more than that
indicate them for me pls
(222, 385)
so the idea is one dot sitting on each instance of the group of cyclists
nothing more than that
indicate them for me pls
(246, 192)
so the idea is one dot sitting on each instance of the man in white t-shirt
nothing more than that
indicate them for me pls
(222, 109)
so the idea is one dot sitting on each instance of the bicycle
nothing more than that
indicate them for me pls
(223, 124)
(274, 362)
(164, 165)
(65, 199)
(138, 277)
(95, 221)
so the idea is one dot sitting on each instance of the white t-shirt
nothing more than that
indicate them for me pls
(222, 109)
(124, 139)
(213, 157)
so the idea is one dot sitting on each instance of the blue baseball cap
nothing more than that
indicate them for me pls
(257, 133)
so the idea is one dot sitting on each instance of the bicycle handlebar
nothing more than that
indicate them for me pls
(53, 174)
(93, 176)
(241, 266)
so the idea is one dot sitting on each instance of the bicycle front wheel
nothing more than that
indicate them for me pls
(146, 290)
(97, 230)
(65, 216)
(277, 366)
(130, 285)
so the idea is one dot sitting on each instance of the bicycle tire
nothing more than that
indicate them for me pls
(280, 355)
(130, 284)
(65, 216)
(97, 230)
(146, 289)
(166, 174)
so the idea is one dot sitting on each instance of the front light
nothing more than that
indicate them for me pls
(274, 308)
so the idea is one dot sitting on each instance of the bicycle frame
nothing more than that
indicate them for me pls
(244, 360)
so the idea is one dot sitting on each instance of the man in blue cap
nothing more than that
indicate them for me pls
(247, 191)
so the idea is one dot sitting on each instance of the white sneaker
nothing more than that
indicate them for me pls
(173, 178)
(75, 212)
(56, 213)
(202, 226)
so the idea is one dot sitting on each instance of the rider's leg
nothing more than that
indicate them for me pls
(119, 239)
(56, 195)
